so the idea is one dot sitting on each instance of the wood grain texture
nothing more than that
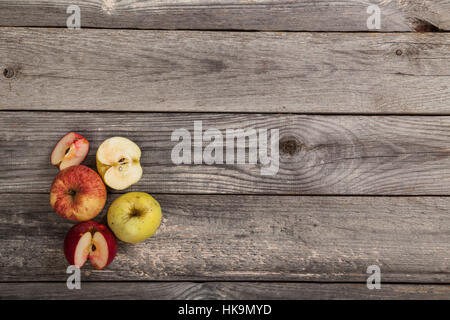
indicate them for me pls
(219, 291)
(295, 15)
(247, 238)
(139, 70)
(319, 155)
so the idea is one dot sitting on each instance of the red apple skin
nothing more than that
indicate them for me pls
(77, 231)
(78, 193)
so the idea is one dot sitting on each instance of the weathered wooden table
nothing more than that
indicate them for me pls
(364, 123)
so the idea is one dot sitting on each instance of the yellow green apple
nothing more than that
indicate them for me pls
(118, 162)
(134, 216)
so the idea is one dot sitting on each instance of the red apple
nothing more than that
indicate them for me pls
(69, 151)
(90, 240)
(78, 193)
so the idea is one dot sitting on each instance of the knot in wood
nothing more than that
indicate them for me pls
(8, 73)
(289, 145)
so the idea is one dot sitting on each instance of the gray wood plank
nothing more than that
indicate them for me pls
(219, 291)
(326, 155)
(141, 70)
(247, 238)
(295, 15)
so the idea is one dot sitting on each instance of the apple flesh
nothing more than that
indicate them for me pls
(90, 240)
(118, 162)
(134, 216)
(78, 193)
(69, 151)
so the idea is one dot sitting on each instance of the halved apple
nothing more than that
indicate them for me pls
(90, 240)
(69, 151)
(118, 162)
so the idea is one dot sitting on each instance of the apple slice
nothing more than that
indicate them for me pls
(69, 151)
(90, 240)
(82, 250)
(118, 162)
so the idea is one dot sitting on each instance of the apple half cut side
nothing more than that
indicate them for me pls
(90, 240)
(71, 150)
(118, 162)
